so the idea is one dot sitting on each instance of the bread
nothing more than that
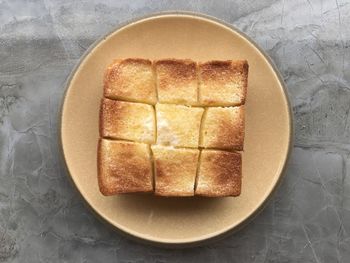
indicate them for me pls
(124, 167)
(172, 127)
(220, 174)
(127, 121)
(176, 81)
(175, 170)
(178, 125)
(223, 128)
(223, 83)
(131, 80)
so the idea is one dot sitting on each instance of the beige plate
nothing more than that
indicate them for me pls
(179, 221)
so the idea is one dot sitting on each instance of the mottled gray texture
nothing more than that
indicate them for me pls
(43, 219)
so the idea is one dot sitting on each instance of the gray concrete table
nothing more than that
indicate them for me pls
(43, 219)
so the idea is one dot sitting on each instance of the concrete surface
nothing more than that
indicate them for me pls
(43, 219)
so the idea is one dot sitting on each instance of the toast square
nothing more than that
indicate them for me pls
(220, 174)
(178, 125)
(175, 170)
(124, 167)
(127, 121)
(223, 83)
(131, 79)
(177, 81)
(223, 128)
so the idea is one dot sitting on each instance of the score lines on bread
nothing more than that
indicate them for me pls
(183, 113)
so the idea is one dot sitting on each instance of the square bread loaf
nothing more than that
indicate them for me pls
(131, 80)
(220, 174)
(175, 170)
(223, 128)
(178, 125)
(127, 121)
(124, 167)
(173, 127)
(177, 81)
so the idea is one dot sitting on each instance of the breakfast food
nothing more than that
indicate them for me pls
(173, 127)
(223, 128)
(223, 83)
(219, 173)
(174, 170)
(178, 125)
(176, 81)
(131, 79)
(127, 121)
(124, 167)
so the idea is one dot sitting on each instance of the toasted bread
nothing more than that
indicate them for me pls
(175, 170)
(124, 167)
(172, 127)
(127, 121)
(223, 128)
(220, 174)
(223, 83)
(177, 81)
(178, 125)
(131, 80)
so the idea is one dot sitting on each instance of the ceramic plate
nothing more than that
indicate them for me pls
(178, 221)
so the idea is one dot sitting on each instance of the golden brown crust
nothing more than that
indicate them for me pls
(131, 80)
(175, 170)
(223, 128)
(127, 121)
(223, 83)
(124, 167)
(178, 125)
(177, 81)
(130, 85)
(180, 69)
(137, 61)
(220, 174)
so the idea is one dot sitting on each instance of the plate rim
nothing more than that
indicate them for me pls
(190, 242)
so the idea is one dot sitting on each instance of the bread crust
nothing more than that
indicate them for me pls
(177, 81)
(175, 170)
(220, 174)
(223, 83)
(223, 128)
(127, 121)
(151, 109)
(130, 79)
(124, 167)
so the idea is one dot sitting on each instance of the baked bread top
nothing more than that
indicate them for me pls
(177, 81)
(223, 128)
(220, 174)
(124, 167)
(172, 127)
(130, 79)
(127, 121)
(223, 83)
(175, 170)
